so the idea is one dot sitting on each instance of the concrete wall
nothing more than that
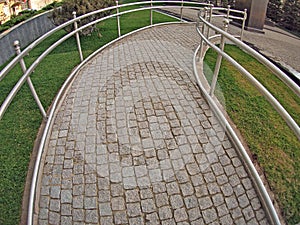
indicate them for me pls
(256, 13)
(25, 32)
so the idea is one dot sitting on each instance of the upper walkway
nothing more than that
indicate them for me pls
(275, 43)
(134, 142)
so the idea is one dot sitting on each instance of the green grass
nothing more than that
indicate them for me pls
(277, 149)
(21, 122)
(269, 138)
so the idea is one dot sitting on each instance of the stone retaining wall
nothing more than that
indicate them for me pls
(25, 32)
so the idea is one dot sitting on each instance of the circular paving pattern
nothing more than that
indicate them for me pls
(134, 142)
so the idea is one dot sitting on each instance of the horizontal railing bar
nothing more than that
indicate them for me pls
(235, 17)
(237, 11)
(219, 9)
(281, 75)
(279, 108)
(225, 16)
(21, 81)
(51, 116)
(258, 182)
(226, 9)
(11, 64)
(214, 36)
(219, 15)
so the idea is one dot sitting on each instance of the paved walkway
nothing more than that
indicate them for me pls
(134, 142)
(275, 43)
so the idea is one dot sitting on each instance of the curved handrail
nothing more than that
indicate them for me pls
(12, 63)
(263, 192)
(48, 125)
(209, 96)
(273, 101)
(22, 80)
(281, 75)
(228, 10)
(5, 70)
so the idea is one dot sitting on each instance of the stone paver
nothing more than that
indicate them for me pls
(134, 142)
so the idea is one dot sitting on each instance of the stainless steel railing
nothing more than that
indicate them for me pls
(211, 12)
(205, 19)
(221, 54)
(209, 92)
(152, 5)
(149, 5)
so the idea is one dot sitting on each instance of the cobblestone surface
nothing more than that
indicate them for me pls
(135, 143)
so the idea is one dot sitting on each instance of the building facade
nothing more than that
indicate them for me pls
(8, 8)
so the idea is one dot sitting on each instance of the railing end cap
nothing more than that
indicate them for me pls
(226, 21)
(16, 43)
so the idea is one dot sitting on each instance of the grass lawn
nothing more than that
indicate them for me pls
(277, 149)
(269, 138)
(21, 122)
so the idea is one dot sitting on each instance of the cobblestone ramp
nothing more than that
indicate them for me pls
(134, 142)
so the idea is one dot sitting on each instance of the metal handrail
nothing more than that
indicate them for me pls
(279, 108)
(281, 75)
(209, 96)
(228, 10)
(26, 75)
(5, 70)
(218, 112)
(18, 58)
(273, 101)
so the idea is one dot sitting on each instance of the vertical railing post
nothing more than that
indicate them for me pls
(181, 11)
(151, 13)
(243, 24)
(211, 12)
(29, 82)
(77, 37)
(228, 11)
(209, 19)
(203, 30)
(118, 18)
(219, 60)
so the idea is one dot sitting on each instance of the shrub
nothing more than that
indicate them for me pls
(24, 15)
(291, 15)
(81, 7)
(52, 5)
(274, 11)
(223, 3)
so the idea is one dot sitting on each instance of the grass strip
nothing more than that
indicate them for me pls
(270, 140)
